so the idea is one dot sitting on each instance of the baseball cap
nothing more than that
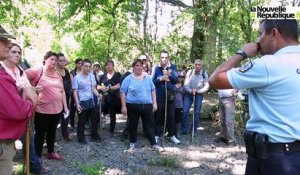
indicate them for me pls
(5, 34)
(181, 74)
(96, 63)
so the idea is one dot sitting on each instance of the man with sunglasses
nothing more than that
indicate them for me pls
(272, 136)
(14, 111)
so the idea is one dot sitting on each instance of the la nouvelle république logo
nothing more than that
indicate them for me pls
(279, 12)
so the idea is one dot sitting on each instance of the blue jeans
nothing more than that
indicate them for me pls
(35, 161)
(187, 103)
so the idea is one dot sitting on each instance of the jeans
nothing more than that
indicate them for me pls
(35, 161)
(187, 103)
(275, 164)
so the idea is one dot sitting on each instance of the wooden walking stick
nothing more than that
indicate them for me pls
(193, 127)
(27, 143)
(166, 112)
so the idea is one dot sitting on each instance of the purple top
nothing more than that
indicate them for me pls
(179, 96)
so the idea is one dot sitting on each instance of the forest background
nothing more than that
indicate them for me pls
(125, 29)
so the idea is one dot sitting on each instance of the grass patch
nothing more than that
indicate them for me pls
(19, 169)
(166, 161)
(93, 169)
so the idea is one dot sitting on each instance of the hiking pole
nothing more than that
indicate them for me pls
(193, 127)
(166, 110)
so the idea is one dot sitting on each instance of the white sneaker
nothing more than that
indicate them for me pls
(156, 139)
(175, 140)
(132, 146)
(157, 148)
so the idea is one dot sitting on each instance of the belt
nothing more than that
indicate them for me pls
(284, 147)
(7, 141)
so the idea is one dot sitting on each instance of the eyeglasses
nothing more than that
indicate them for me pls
(164, 57)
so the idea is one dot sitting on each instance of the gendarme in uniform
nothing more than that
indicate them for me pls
(273, 83)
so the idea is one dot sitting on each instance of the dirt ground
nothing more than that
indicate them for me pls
(202, 157)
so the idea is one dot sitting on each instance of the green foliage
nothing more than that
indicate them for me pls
(19, 169)
(241, 116)
(166, 161)
(111, 29)
(94, 169)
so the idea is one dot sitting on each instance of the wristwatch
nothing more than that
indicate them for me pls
(242, 53)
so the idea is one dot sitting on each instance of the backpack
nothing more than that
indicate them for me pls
(203, 73)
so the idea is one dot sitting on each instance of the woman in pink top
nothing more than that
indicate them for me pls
(12, 68)
(51, 103)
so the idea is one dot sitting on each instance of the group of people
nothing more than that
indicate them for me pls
(161, 97)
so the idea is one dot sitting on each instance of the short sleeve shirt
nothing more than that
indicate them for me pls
(138, 91)
(274, 97)
(84, 86)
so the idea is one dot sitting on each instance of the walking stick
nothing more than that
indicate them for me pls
(27, 144)
(193, 128)
(166, 111)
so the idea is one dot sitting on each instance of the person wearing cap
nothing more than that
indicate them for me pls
(146, 65)
(196, 83)
(97, 71)
(179, 93)
(15, 111)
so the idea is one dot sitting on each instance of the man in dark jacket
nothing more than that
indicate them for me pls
(164, 75)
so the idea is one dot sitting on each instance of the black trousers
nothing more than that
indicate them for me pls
(134, 112)
(159, 117)
(81, 122)
(73, 111)
(45, 126)
(111, 103)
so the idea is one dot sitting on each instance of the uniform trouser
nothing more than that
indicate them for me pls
(35, 161)
(45, 126)
(227, 107)
(7, 153)
(275, 164)
(187, 103)
(159, 117)
(135, 111)
(91, 113)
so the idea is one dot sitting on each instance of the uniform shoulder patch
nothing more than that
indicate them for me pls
(245, 67)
